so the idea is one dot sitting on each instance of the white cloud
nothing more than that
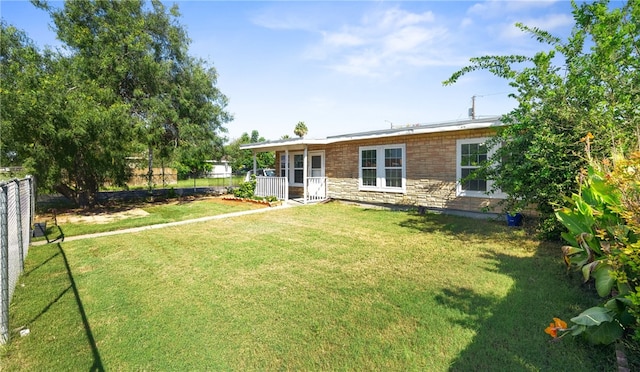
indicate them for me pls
(548, 23)
(409, 39)
(498, 8)
(551, 22)
(364, 63)
(342, 39)
(466, 22)
(284, 19)
(382, 43)
(388, 41)
(394, 18)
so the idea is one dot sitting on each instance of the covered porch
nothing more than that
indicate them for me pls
(300, 172)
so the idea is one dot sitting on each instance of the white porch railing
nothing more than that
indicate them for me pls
(316, 188)
(272, 186)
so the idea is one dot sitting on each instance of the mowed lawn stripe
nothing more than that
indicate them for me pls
(322, 287)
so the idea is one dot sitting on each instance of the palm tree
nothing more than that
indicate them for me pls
(300, 129)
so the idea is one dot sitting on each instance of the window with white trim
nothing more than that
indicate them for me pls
(471, 155)
(315, 166)
(382, 168)
(283, 165)
(298, 168)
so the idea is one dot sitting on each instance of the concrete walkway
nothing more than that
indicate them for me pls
(168, 224)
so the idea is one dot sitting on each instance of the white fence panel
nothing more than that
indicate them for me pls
(316, 188)
(272, 186)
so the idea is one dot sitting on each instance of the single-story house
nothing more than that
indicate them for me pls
(418, 165)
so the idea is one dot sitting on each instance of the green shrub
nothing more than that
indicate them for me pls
(171, 194)
(246, 189)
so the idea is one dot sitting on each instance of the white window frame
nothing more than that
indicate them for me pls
(474, 193)
(381, 182)
(310, 156)
(292, 169)
(283, 164)
(291, 160)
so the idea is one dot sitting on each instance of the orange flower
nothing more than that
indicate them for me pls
(553, 328)
(588, 137)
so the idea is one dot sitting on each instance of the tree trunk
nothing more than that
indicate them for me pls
(150, 173)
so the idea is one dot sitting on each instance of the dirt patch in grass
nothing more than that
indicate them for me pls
(102, 217)
(119, 210)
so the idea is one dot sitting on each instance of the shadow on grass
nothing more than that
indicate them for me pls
(41, 264)
(97, 361)
(458, 226)
(508, 330)
(71, 288)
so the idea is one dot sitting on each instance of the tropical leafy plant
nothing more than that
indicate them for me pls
(603, 230)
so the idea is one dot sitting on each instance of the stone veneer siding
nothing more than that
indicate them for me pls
(430, 170)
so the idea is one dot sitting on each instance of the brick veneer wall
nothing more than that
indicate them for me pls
(430, 170)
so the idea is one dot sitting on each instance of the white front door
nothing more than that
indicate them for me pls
(316, 165)
(316, 186)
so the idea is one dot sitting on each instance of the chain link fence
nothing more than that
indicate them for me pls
(17, 205)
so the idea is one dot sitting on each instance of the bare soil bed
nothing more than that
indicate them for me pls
(114, 211)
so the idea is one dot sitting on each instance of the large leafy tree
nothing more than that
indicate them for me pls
(55, 122)
(242, 160)
(21, 69)
(125, 85)
(587, 84)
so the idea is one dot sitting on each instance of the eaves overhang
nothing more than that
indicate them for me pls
(301, 143)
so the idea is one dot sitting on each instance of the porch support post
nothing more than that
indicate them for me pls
(286, 174)
(255, 163)
(304, 174)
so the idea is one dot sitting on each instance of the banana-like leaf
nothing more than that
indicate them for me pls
(578, 329)
(620, 306)
(593, 316)
(583, 240)
(580, 259)
(572, 221)
(604, 334)
(569, 238)
(606, 192)
(604, 281)
(591, 241)
(588, 269)
(568, 250)
(585, 211)
(624, 288)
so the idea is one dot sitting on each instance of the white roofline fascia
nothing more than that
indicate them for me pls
(419, 129)
(283, 144)
(394, 132)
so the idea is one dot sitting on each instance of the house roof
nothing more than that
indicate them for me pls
(300, 143)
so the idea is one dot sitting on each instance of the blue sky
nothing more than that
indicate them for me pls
(347, 66)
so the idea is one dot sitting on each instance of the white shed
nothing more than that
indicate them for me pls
(219, 169)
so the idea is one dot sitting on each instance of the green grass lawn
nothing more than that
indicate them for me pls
(156, 213)
(321, 287)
